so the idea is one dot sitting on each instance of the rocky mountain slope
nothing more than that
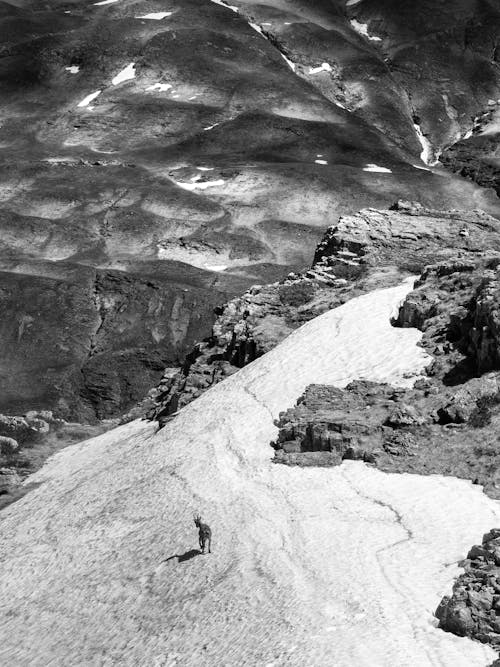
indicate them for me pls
(179, 154)
(98, 560)
(361, 252)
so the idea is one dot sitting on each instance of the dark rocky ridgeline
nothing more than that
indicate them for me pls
(362, 252)
(473, 609)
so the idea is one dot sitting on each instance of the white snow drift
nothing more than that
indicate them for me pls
(341, 566)
(127, 73)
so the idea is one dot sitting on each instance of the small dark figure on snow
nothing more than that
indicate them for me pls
(204, 534)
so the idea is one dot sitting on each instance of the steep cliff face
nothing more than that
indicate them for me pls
(89, 343)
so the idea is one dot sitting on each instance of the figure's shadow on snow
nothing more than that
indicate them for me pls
(181, 558)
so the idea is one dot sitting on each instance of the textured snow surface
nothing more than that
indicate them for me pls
(324, 567)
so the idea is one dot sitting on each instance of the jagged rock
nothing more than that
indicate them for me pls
(399, 430)
(400, 443)
(473, 608)
(8, 446)
(15, 427)
(404, 415)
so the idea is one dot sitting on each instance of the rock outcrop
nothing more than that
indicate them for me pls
(473, 609)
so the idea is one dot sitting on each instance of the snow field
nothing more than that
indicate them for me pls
(341, 566)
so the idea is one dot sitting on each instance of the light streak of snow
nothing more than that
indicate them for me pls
(155, 16)
(422, 168)
(288, 61)
(216, 267)
(377, 169)
(325, 67)
(335, 566)
(126, 74)
(223, 4)
(205, 168)
(427, 154)
(204, 185)
(87, 100)
(105, 2)
(362, 29)
(210, 127)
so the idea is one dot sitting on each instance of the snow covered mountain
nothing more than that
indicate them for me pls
(340, 566)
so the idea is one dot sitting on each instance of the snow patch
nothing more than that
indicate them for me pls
(362, 29)
(74, 69)
(105, 2)
(204, 185)
(210, 127)
(87, 100)
(216, 267)
(160, 86)
(377, 169)
(320, 161)
(205, 168)
(325, 67)
(155, 16)
(124, 75)
(427, 155)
